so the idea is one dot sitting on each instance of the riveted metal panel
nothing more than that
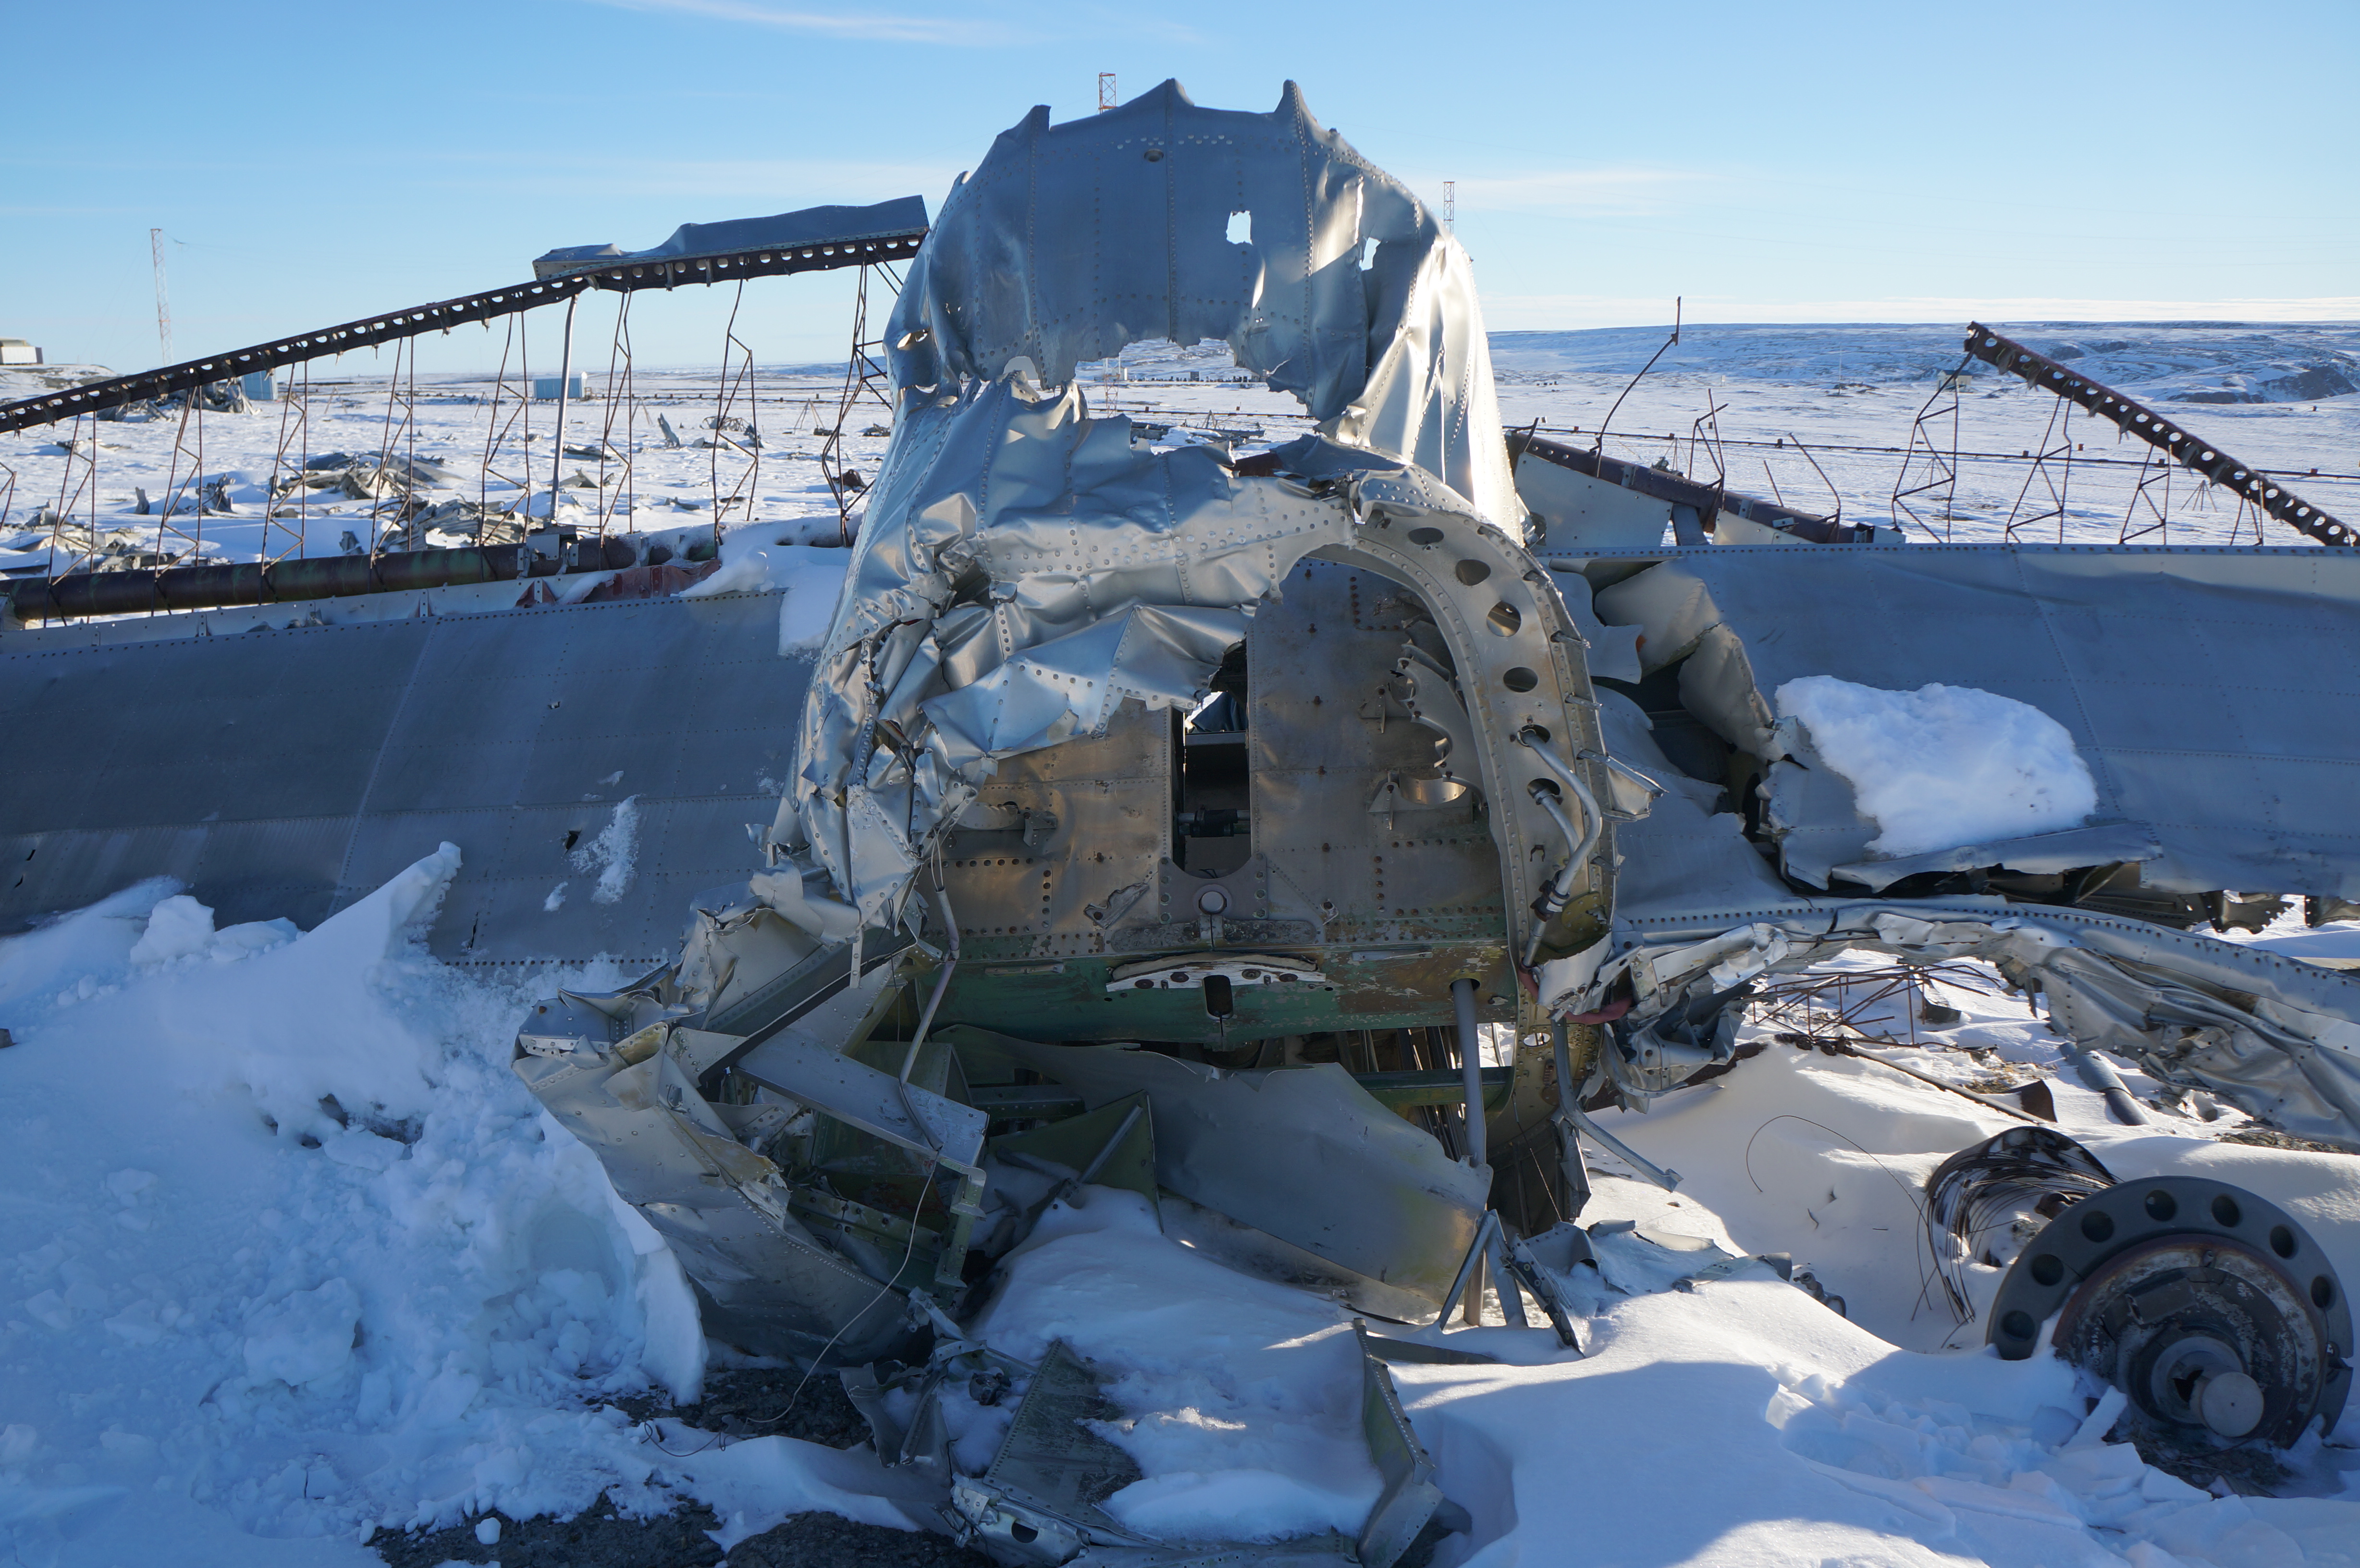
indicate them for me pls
(264, 724)
(1324, 737)
(2204, 687)
(1094, 871)
(291, 772)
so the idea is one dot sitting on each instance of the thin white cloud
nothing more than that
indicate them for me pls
(872, 27)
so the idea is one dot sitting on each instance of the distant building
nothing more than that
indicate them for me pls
(17, 351)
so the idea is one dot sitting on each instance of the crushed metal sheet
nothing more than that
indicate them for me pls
(1039, 1502)
(1023, 570)
(804, 227)
(1410, 1495)
(766, 1281)
(1303, 1153)
(2271, 1035)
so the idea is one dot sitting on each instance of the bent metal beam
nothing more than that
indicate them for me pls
(2165, 435)
(769, 261)
(257, 582)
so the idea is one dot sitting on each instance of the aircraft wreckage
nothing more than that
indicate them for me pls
(1168, 820)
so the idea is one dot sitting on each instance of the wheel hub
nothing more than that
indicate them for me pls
(2210, 1307)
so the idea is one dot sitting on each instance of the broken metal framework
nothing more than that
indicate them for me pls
(1929, 467)
(1390, 818)
(2052, 470)
(2251, 486)
(666, 272)
(483, 543)
(1297, 841)
(866, 379)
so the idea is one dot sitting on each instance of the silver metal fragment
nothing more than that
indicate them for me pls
(1302, 1153)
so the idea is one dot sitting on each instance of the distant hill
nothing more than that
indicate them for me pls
(2176, 362)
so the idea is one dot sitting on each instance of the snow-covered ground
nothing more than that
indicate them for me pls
(469, 441)
(291, 1258)
(288, 1256)
(1850, 394)
(1818, 416)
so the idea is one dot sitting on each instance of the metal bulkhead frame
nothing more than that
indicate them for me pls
(1030, 590)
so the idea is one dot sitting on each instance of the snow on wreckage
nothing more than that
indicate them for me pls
(1029, 581)
(1181, 823)
(1219, 896)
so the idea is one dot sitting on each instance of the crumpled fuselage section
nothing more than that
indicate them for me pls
(1024, 569)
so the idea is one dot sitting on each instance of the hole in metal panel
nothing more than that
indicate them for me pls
(1220, 999)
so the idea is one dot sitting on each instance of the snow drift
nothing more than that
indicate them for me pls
(1944, 767)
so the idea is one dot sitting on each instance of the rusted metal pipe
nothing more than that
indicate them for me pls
(1710, 500)
(319, 577)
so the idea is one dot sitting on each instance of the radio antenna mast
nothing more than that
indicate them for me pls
(163, 301)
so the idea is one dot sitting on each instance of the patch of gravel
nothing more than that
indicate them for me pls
(596, 1538)
(2262, 1137)
(764, 1402)
(824, 1540)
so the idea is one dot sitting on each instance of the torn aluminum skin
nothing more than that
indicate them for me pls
(1023, 569)
(2271, 1035)
(782, 1263)
(1301, 1153)
(766, 1281)
(1028, 577)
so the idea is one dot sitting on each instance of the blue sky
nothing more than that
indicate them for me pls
(313, 163)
